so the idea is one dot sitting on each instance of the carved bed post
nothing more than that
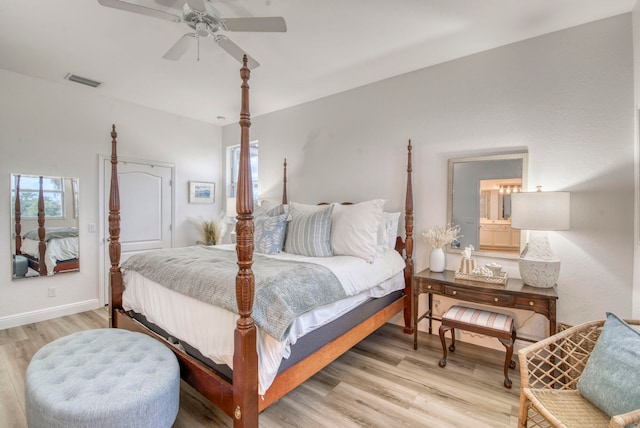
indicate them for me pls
(42, 233)
(245, 357)
(18, 218)
(115, 274)
(408, 226)
(284, 184)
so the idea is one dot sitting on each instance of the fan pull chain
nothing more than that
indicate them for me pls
(198, 47)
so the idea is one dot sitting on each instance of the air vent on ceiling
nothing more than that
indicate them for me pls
(82, 80)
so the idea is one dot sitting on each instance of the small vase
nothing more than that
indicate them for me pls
(437, 260)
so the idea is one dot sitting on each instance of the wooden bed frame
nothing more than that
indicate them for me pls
(239, 399)
(39, 265)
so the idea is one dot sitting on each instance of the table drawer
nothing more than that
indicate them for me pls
(492, 299)
(532, 304)
(431, 287)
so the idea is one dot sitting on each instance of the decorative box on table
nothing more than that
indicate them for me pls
(501, 278)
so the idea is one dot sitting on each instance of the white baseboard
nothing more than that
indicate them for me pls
(48, 313)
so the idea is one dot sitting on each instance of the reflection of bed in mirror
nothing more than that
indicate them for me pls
(50, 246)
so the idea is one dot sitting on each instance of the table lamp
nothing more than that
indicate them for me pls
(231, 208)
(539, 212)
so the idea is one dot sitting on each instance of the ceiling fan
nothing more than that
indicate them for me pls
(201, 16)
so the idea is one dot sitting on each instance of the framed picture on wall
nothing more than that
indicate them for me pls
(201, 192)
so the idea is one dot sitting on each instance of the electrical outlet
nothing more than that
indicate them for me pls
(436, 302)
(52, 292)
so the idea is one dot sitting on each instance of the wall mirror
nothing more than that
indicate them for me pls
(44, 225)
(479, 201)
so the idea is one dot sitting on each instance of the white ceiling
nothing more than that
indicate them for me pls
(330, 46)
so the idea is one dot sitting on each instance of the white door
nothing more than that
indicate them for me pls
(146, 209)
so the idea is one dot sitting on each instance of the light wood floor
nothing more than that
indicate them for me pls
(382, 382)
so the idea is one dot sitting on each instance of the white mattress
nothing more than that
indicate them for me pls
(210, 329)
(57, 249)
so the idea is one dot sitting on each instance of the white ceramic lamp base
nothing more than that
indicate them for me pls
(541, 274)
(538, 266)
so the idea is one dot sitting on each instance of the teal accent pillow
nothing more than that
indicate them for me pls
(309, 232)
(611, 377)
(269, 233)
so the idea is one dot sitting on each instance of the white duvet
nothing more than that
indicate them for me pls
(210, 329)
(57, 249)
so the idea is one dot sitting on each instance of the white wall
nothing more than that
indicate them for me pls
(566, 97)
(61, 129)
(636, 93)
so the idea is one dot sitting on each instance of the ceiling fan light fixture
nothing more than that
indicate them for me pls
(82, 80)
(202, 29)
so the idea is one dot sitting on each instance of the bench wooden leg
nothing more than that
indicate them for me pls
(508, 362)
(441, 332)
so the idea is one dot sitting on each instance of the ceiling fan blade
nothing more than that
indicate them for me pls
(269, 24)
(196, 5)
(180, 47)
(235, 51)
(173, 4)
(130, 7)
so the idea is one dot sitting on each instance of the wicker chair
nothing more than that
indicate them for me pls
(550, 370)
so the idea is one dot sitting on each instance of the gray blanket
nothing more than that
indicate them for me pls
(284, 289)
(53, 233)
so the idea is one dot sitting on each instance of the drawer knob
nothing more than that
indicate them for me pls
(454, 292)
(495, 299)
(429, 287)
(530, 303)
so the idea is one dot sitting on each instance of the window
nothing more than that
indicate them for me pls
(53, 189)
(234, 162)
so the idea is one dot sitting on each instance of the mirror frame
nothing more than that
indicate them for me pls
(524, 156)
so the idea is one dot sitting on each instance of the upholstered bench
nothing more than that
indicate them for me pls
(482, 322)
(103, 378)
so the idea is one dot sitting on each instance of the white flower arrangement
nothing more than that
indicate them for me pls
(440, 236)
(211, 231)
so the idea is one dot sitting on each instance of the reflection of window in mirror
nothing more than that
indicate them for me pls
(53, 190)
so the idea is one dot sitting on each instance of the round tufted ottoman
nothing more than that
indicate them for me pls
(104, 378)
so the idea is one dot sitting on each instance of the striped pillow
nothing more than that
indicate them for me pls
(309, 233)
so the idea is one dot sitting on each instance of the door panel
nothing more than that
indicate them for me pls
(141, 211)
(146, 207)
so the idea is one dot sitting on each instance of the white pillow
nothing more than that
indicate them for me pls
(354, 229)
(388, 231)
(305, 208)
(268, 204)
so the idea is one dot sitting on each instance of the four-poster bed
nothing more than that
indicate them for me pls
(48, 250)
(237, 392)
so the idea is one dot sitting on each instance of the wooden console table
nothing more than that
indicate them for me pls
(512, 295)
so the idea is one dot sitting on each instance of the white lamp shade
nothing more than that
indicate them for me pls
(231, 207)
(540, 210)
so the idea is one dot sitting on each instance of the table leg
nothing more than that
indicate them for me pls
(430, 296)
(414, 302)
